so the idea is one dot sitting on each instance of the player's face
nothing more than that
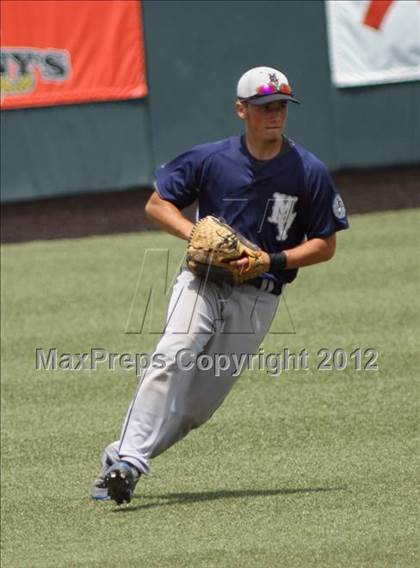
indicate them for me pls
(264, 122)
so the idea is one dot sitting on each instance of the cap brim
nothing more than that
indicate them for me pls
(265, 99)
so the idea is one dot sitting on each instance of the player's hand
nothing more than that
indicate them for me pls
(242, 263)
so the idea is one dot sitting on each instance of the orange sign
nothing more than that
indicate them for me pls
(70, 51)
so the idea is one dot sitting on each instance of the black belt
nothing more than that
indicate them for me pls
(266, 285)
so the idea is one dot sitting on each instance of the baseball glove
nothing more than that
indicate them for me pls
(211, 247)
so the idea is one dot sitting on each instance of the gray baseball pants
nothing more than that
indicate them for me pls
(207, 325)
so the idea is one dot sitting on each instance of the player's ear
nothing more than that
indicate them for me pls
(241, 109)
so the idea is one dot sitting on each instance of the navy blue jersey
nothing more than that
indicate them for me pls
(275, 203)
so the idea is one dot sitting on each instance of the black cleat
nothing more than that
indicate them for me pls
(120, 481)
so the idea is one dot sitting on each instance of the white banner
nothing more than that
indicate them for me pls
(373, 41)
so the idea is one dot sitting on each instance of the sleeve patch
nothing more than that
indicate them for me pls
(339, 209)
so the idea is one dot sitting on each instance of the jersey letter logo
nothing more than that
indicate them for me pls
(283, 214)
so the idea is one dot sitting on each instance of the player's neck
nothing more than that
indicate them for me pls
(263, 149)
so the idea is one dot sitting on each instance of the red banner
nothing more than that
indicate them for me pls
(70, 51)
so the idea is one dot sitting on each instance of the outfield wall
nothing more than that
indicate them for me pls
(195, 53)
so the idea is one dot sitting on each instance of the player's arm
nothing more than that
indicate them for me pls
(312, 251)
(168, 216)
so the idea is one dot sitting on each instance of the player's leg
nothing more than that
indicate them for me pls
(170, 402)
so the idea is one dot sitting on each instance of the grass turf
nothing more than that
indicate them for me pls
(312, 468)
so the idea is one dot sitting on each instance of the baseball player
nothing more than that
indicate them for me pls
(280, 197)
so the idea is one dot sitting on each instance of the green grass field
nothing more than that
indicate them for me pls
(310, 468)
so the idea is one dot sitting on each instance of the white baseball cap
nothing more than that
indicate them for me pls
(262, 85)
